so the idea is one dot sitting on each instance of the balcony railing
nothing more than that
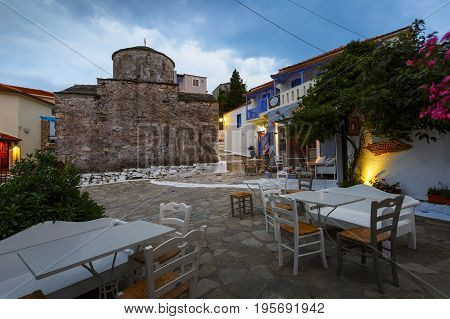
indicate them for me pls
(293, 95)
(259, 109)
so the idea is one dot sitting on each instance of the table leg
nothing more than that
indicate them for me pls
(110, 287)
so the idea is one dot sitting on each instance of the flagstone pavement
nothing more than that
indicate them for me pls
(240, 259)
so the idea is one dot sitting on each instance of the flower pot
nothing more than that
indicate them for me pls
(438, 199)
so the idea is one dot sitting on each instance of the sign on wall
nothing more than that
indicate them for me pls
(387, 147)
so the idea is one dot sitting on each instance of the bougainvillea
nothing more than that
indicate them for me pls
(433, 61)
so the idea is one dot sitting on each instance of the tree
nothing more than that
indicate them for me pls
(43, 189)
(224, 101)
(237, 90)
(372, 82)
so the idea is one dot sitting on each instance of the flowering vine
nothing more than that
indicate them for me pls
(433, 60)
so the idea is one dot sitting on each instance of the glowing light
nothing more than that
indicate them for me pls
(221, 120)
(15, 153)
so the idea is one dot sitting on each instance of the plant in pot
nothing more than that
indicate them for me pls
(439, 195)
(251, 149)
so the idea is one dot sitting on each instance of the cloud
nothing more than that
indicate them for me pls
(43, 63)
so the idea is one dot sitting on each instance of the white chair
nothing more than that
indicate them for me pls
(268, 215)
(287, 223)
(165, 281)
(173, 210)
(169, 213)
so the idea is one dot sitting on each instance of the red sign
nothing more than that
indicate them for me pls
(387, 147)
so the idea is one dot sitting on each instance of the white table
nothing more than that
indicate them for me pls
(53, 257)
(323, 199)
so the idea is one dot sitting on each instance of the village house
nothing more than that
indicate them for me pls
(26, 122)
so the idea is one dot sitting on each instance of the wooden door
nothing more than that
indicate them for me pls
(4, 156)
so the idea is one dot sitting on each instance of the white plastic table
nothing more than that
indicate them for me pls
(81, 249)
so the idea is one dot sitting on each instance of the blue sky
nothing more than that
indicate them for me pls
(203, 37)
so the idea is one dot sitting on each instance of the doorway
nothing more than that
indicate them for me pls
(4, 156)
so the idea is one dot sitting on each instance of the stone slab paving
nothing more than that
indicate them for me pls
(240, 259)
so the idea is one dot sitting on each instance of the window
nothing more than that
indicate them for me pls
(196, 82)
(239, 120)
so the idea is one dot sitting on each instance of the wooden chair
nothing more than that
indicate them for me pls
(287, 223)
(383, 227)
(250, 169)
(168, 214)
(240, 198)
(174, 278)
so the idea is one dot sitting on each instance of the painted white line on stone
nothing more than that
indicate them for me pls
(199, 185)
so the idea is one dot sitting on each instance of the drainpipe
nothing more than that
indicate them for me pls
(274, 87)
(302, 76)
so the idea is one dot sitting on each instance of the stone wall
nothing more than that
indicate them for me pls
(123, 124)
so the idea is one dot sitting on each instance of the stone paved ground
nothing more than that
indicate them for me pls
(239, 260)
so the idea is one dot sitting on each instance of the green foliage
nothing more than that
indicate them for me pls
(42, 189)
(373, 82)
(224, 102)
(237, 89)
(441, 190)
(384, 186)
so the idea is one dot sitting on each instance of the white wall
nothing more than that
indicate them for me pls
(9, 114)
(30, 112)
(237, 140)
(417, 169)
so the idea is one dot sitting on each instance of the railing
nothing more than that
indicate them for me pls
(252, 114)
(260, 108)
(293, 95)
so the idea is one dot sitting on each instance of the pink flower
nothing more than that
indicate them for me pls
(423, 87)
(447, 55)
(431, 41)
(445, 37)
(410, 62)
(432, 97)
(431, 63)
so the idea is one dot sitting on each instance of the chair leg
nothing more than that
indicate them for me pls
(280, 249)
(232, 206)
(363, 256)
(322, 249)
(376, 266)
(296, 253)
(394, 263)
(339, 255)
(251, 206)
(240, 208)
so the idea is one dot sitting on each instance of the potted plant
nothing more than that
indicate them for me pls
(439, 195)
(251, 149)
(384, 186)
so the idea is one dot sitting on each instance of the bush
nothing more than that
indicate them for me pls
(441, 190)
(41, 189)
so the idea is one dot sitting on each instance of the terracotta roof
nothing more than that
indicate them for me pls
(260, 87)
(324, 57)
(31, 93)
(6, 137)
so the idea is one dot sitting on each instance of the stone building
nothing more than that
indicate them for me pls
(136, 119)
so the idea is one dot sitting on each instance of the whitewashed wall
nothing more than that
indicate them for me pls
(417, 169)
(237, 140)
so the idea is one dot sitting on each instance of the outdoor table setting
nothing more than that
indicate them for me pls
(53, 257)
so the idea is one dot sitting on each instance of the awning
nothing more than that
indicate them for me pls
(48, 118)
(8, 138)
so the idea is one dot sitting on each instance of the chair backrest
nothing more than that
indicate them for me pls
(178, 210)
(384, 218)
(265, 196)
(190, 245)
(284, 216)
(305, 181)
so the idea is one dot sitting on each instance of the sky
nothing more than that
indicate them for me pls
(204, 37)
